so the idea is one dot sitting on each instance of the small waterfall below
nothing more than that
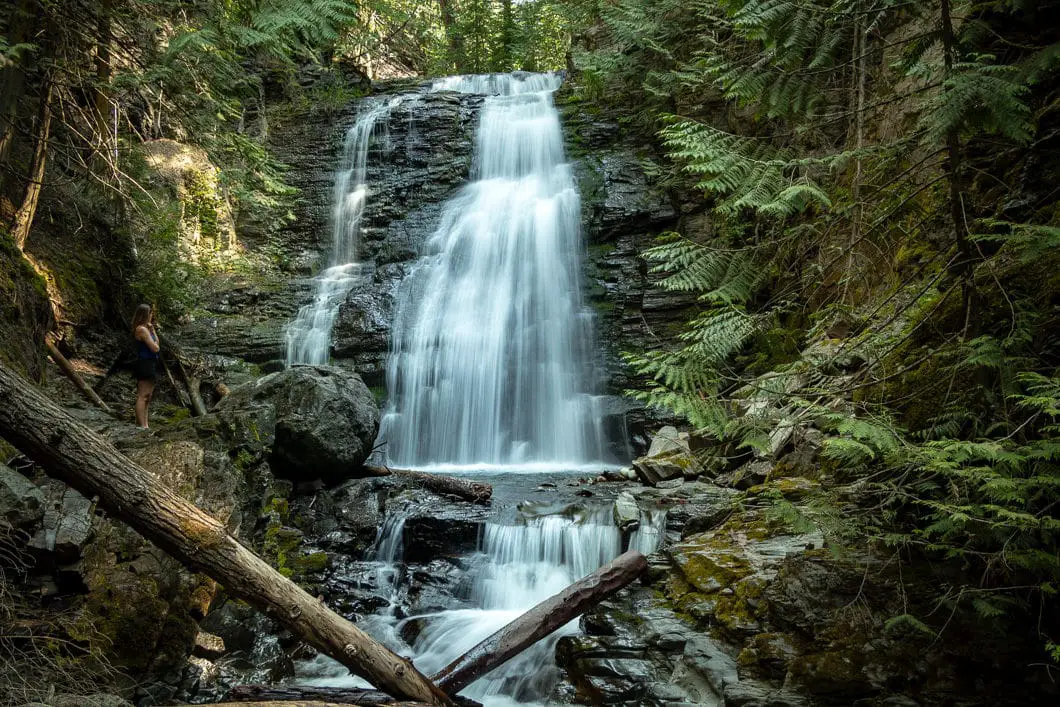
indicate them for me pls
(492, 349)
(308, 336)
(527, 560)
(526, 555)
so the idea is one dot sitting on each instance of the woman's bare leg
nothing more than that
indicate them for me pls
(144, 388)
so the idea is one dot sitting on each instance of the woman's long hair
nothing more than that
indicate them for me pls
(141, 317)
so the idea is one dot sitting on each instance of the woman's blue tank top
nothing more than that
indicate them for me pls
(143, 350)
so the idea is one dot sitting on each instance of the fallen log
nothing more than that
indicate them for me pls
(314, 703)
(68, 369)
(473, 491)
(540, 621)
(68, 450)
(273, 695)
(194, 384)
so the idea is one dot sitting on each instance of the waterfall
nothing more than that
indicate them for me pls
(491, 358)
(527, 561)
(308, 337)
(525, 558)
(650, 532)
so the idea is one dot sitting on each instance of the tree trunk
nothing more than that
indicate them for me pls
(966, 255)
(24, 216)
(272, 695)
(197, 405)
(453, 33)
(466, 489)
(540, 621)
(71, 452)
(75, 377)
(13, 80)
(510, 641)
(100, 103)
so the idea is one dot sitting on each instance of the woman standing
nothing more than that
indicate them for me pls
(143, 326)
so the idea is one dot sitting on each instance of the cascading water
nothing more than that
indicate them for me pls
(492, 348)
(527, 561)
(308, 337)
(491, 366)
(526, 557)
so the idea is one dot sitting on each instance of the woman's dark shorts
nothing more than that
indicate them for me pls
(145, 369)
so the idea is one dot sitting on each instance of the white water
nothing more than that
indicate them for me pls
(524, 560)
(490, 362)
(490, 370)
(308, 337)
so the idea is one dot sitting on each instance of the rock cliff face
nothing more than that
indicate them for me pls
(421, 158)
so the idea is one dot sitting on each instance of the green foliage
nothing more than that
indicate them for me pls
(164, 277)
(1028, 242)
(860, 161)
(993, 499)
(687, 379)
(979, 98)
(744, 173)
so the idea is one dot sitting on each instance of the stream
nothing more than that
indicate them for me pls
(528, 551)
(490, 373)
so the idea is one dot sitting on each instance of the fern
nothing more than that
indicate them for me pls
(979, 97)
(743, 173)
(1028, 242)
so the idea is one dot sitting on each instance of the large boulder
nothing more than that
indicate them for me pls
(670, 457)
(317, 422)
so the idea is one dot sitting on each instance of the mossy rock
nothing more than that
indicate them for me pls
(837, 673)
(792, 488)
(768, 655)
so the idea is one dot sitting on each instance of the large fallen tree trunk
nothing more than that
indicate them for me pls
(274, 695)
(314, 703)
(70, 451)
(540, 621)
(513, 639)
(466, 489)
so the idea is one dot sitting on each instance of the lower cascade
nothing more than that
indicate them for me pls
(525, 557)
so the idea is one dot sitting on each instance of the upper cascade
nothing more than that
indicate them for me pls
(499, 84)
(308, 337)
(492, 352)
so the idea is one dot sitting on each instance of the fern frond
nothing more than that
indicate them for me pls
(743, 173)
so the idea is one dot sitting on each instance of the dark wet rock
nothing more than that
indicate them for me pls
(356, 587)
(65, 527)
(439, 585)
(756, 694)
(441, 528)
(769, 654)
(318, 422)
(254, 644)
(21, 501)
(750, 474)
(345, 519)
(691, 507)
